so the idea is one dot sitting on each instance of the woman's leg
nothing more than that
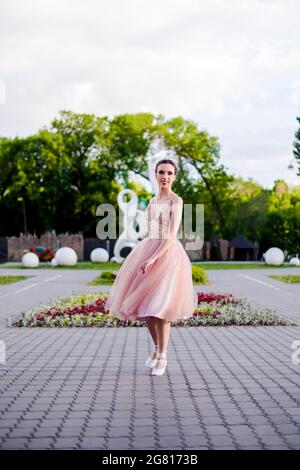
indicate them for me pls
(152, 327)
(163, 328)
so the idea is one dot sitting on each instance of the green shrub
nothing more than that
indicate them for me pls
(199, 275)
(108, 275)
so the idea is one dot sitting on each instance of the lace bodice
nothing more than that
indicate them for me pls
(163, 218)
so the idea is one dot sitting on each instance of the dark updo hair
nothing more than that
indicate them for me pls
(166, 160)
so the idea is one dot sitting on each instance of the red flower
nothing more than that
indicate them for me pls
(220, 299)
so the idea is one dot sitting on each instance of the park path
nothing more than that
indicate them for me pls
(224, 387)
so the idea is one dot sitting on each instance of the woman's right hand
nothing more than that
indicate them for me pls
(146, 266)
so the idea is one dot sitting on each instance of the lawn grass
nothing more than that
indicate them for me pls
(116, 266)
(237, 265)
(287, 279)
(79, 265)
(11, 279)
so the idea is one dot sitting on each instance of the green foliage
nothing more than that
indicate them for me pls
(288, 279)
(247, 210)
(282, 226)
(11, 279)
(199, 275)
(56, 178)
(296, 150)
(108, 275)
(199, 152)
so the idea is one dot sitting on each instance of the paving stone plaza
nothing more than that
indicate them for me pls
(87, 388)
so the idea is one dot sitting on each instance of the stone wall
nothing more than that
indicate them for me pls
(17, 245)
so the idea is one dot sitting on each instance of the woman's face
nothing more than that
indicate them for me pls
(165, 175)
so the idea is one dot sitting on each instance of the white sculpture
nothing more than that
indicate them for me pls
(129, 237)
(99, 255)
(66, 256)
(53, 262)
(295, 261)
(30, 260)
(274, 256)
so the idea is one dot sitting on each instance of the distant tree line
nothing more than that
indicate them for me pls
(56, 178)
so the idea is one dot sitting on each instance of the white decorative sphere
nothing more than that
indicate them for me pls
(66, 256)
(30, 260)
(274, 256)
(53, 262)
(295, 261)
(99, 255)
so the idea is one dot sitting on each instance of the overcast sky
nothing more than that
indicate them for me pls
(233, 66)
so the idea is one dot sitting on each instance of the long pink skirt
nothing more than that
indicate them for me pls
(166, 291)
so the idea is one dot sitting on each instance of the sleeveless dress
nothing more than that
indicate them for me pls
(166, 290)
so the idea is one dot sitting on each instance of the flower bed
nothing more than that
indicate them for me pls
(219, 299)
(89, 310)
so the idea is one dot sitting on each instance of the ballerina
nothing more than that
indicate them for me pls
(155, 283)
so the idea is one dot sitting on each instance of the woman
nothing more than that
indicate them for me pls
(154, 283)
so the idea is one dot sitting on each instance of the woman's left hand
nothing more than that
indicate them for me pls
(146, 265)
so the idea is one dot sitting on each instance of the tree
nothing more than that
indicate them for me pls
(199, 151)
(296, 150)
(27, 165)
(56, 178)
(248, 209)
(282, 227)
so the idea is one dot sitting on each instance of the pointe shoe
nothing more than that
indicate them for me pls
(160, 366)
(150, 362)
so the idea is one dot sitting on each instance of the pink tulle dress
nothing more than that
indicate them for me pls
(166, 289)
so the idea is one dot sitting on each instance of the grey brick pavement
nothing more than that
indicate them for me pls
(224, 387)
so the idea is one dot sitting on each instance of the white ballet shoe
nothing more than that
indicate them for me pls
(160, 366)
(150, 362)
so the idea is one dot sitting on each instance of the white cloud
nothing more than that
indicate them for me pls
(231, 66)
